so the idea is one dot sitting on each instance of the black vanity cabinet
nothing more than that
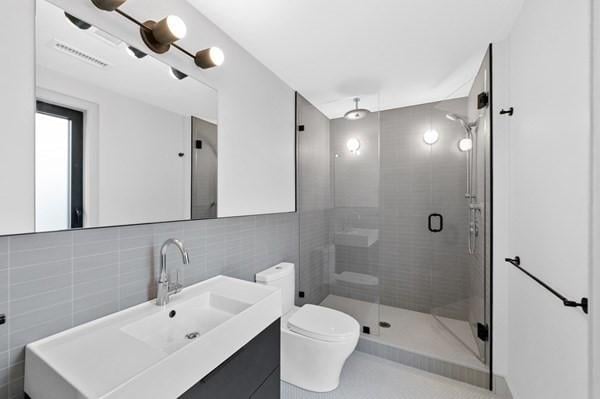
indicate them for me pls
(252, 372)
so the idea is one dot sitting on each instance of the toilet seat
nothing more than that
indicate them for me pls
(323, 324)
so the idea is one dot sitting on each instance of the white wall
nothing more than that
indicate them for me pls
(17, 110)
(256, 110)
(549, 210)
(595, 270)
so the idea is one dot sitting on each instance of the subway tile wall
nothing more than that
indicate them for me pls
(417, 269)
(50, 282)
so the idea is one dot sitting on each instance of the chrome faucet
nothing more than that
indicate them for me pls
(165, 287)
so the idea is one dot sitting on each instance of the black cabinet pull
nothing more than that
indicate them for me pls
(430, 224)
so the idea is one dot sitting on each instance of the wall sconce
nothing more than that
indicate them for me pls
(431, 136)
(353, 146)
(161, 36)
(465, 144)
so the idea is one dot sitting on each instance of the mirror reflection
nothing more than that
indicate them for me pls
(121, 138)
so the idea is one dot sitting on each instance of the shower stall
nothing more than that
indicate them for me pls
(395, 227)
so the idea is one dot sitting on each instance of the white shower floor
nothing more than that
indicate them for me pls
(413, 331)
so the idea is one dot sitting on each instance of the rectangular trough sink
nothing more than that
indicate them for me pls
(169, 331)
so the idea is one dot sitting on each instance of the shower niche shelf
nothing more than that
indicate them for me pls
(355, 237)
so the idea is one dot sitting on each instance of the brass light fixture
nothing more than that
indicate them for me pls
(210, 57)
(108, 5)
(159, 36)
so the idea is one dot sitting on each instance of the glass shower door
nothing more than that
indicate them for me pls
(462, 193)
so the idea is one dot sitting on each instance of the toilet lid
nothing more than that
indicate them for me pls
(323, 324)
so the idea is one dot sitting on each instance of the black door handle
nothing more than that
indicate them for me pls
(430, 224)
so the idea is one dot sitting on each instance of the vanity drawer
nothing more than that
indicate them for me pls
(271, 388)
(245, 371)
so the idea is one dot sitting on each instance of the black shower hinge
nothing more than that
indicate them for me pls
(483, 99)
(301, 294)
(508, 112)
(300, 128)
(483, 332)
(2, 318)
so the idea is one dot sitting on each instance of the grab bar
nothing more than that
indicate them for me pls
(584, 304)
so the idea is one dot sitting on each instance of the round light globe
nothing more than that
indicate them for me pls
(431, 136)
(465, 144)
(353, 145)
(217, 56)
(176, 26)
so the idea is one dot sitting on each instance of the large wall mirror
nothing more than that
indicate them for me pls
(120, 137)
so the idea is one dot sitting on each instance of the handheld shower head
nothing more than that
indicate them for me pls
(463, 121)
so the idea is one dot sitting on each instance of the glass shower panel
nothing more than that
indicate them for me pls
(355, 279)
(462, 193)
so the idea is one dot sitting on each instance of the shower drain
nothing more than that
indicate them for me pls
(192, 335)
(384, 324)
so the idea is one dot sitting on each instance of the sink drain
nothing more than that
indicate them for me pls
(192, 335)
(384, 324)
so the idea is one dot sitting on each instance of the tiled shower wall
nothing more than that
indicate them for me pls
(417, 269)
(53, 281)
(314, 201)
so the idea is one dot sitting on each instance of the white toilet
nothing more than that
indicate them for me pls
(315, 341)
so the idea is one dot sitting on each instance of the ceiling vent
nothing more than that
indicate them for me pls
(80, 55)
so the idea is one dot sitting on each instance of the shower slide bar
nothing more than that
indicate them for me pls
(584, 304)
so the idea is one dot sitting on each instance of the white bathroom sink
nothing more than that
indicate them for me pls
(192, 319)
(148, 351)
(355, 237)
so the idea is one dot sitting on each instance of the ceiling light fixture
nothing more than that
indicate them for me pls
(176, 74)
(356, 113)
(210, 57)
(132, 51)
(77, 22)
(431, 136)
(160, 36)
(108, 5)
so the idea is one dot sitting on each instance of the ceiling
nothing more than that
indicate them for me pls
(392, 53)
(146, 80)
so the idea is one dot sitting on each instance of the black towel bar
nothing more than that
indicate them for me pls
(583, 304)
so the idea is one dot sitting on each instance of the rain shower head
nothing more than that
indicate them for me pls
(356, 113)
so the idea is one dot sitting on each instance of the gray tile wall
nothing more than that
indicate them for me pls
(417, 270)
(314, 201)
(53, 281)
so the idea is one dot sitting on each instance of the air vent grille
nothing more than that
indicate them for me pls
(81, 55)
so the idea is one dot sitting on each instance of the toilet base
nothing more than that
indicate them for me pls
(311, 364)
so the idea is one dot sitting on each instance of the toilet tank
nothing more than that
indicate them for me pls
(281, 276)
